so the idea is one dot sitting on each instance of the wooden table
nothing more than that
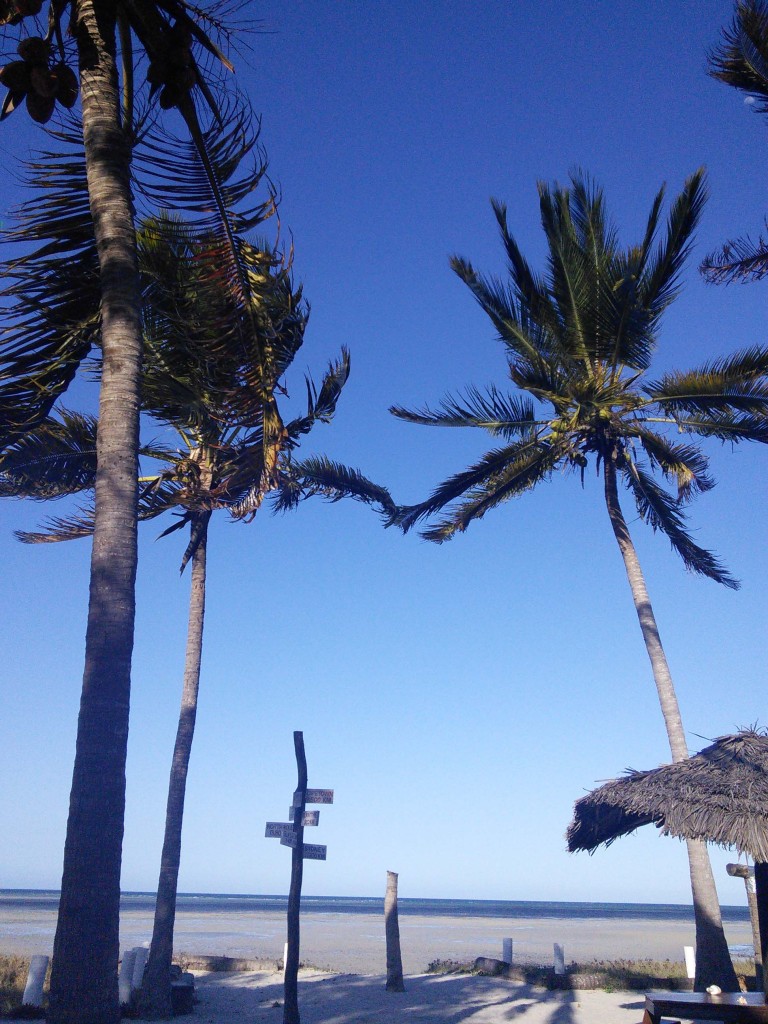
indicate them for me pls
(740, 1007)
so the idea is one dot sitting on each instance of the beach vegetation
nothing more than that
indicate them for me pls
(105, 42)
(13, 979)
(579, 341)
(609, 975)
(222, 324)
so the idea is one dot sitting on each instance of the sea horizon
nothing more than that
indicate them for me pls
(230, 902)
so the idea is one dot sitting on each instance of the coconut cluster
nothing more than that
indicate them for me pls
(172, 68)
(34, 77)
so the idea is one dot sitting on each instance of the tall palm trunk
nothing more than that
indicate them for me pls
(86, 947)
(713, 961)
(155, 997)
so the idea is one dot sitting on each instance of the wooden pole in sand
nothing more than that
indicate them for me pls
(761, 895)
(748, 874)
(392, 932)
(290, 981)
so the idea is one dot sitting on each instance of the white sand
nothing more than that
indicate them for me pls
(257, 998)
(355, 942)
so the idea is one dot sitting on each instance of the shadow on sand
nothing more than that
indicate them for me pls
(257, 998)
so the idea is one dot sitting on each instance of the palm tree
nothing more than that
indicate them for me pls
(741, 61)
(232, 449)
(579, 343)
(84, 972)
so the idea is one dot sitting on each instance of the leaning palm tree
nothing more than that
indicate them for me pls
(579, 342)
(173, 34)
(741, 61)
(231, 450)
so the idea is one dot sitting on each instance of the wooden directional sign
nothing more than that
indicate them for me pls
(289, 839)
(311, 818)
(314, 852)
(278, 829)
(319, 796)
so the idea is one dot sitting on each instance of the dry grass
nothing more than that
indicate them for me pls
(611, 975)
(13, 977)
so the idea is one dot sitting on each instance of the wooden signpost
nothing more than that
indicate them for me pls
(291, 833)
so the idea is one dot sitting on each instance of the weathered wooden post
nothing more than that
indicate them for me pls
(291, 833)
(748, 874)
(290, 981)
(761, 896)
(392, 933)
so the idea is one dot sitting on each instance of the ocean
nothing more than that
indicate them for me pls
(243, 903)
(345, 933)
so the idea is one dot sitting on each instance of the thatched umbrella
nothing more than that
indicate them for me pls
(719, 795)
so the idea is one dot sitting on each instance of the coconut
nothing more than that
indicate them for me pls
(40, 107)
(66, 85)
(16, 76)
(34, 49)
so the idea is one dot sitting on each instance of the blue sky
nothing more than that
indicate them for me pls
(457, 698)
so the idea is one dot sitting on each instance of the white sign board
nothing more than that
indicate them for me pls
(319, 796)
(278, 829)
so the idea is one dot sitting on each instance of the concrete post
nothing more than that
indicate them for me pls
(125, 982)
(139, 964)
(690, 961)
(33, 990)
(559, 959)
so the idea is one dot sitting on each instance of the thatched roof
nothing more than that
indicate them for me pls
(719, 794)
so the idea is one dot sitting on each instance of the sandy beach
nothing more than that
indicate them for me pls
(257, 998)
(345, 982)
(354, 943)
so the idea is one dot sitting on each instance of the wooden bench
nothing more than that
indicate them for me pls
(738, 1007)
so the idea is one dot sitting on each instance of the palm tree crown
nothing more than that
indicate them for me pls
(579, 342)
(741, 61)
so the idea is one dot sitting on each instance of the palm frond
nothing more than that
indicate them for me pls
(55, 459)
(685, 463)
(569, 282)
(737, 383)
(737, 261)
(321, 406)
(661, 280)
(51, 292)
(528, 459)
(57, 528)
(333, 481)
(662, 512)
(531, 465)
(525, 336)
(499, 414)
(741, 60)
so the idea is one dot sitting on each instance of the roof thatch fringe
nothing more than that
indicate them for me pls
(719, 794)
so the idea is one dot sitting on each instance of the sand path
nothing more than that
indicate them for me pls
(256, 998)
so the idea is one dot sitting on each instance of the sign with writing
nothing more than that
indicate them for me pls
(319, 796)
(311, 818)
(278, 829)
(314, 852)
(289, 839)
